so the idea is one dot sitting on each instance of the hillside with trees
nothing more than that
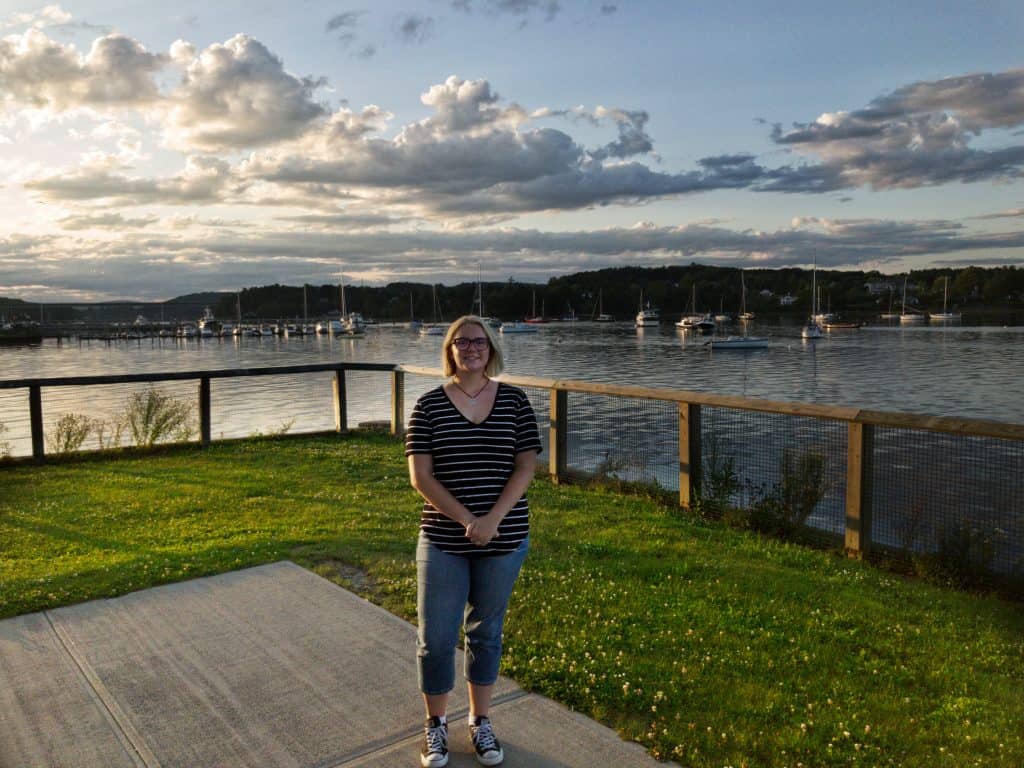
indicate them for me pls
(620, 290)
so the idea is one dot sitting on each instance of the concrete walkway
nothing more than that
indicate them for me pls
(265, 667)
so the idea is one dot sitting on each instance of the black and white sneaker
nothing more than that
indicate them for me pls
(435, 744)
(488, 749)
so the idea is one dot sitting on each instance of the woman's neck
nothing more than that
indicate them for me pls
(471, 380)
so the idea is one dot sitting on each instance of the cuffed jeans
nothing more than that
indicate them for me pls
(455, 591)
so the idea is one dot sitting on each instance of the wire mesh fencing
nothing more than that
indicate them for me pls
(958, 499)
(632, 440)
(799, 462)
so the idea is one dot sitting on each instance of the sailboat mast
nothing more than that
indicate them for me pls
(814, 286)
(343, 308)
(479, 290)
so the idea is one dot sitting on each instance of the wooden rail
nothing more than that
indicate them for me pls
(861, 426)
(36, 386)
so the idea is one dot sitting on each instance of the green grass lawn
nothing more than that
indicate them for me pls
(710, 646)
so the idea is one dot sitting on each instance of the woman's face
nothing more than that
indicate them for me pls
(470, 349)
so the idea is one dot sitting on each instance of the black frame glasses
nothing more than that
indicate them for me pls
(479, 343)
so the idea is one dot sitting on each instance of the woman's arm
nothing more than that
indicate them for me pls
(481, 530)
(421, 475)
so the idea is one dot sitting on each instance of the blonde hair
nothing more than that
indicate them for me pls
(495, 361)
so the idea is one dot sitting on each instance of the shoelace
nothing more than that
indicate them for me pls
(435, 738)
(484, 737)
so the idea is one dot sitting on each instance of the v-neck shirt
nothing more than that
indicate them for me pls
(474, 462)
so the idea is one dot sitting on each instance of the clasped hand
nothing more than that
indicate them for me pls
(481, 530)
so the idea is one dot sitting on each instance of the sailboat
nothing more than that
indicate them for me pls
(890, 315)
(647, 315)
(478, 302)
(744, 314)
(693, 320)
(414, 324)
(529, 325)
(601, 317)
(534, 317)
(437, 326)
(351, 322)
(944, 316)
(908, 317)
(812, 330)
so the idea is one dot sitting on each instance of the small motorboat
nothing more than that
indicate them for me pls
(738, 342)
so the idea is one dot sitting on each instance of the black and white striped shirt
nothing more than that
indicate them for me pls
(474, 462)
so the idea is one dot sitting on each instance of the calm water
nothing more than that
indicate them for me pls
(966, 371)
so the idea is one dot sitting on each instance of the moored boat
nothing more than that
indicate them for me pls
(517, 327)
(738, 342)
(944, 316)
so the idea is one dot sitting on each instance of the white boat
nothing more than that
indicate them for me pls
(890, 315)
(909, 317)
(352, 323)
(600, 316)
(944, 316)
(693, 320)
(647, 315)
(738, 342)
(438, 327)
(811, 329)
(517, 327)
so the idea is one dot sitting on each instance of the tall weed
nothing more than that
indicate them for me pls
(69, 432)
(153, 417)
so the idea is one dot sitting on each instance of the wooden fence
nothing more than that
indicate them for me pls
(860, 424)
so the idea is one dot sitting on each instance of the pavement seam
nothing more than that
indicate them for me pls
(130, 739)
(412, 733)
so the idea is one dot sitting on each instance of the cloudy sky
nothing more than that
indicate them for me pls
(149, 150)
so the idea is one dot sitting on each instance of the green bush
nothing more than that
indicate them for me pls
(785, 507)
(964, 556)
(153, 417)
(68, 434)
(719, 482)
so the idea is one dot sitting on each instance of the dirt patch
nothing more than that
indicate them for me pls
(350, 577)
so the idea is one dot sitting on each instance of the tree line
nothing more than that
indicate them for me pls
(618, 291)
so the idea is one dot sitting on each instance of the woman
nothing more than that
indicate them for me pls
(472, 445)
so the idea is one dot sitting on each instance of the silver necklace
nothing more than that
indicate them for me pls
(472, 398)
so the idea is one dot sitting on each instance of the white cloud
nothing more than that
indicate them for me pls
(236, 95)
(38, 71)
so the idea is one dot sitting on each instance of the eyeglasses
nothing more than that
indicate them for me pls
(462, 344)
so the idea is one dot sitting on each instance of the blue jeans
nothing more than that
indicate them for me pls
(455, 591)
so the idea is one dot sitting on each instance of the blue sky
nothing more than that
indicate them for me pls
(148, 152)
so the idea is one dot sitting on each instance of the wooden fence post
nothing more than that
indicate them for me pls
(204, 411)
(689, 454)
(35, 409)
(558, 434)
(397, 403)
(859, 469)
(340, 402)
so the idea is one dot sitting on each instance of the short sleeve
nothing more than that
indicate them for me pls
(527, 434)
(418, 434)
